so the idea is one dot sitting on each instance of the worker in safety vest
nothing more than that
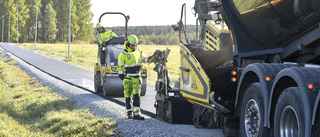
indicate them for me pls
(104, 35)
(130, 63)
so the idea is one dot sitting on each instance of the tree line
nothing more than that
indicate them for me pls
(53, 23)
(52, 20)
(155, 35)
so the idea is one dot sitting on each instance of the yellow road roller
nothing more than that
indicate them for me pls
(106, 78)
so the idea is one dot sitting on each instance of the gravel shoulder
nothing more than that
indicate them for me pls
(108, 109)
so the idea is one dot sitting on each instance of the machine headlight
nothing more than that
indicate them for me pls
(114, 69)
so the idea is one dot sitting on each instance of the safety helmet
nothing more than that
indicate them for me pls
(99, 28)
(98, 25)
(133, 39)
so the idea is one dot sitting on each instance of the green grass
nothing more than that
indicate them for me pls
(29, 109)
(85, 56)
(244, 5)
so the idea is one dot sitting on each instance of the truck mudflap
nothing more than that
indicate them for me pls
(194, 82)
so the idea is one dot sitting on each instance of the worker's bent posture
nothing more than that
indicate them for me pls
(104, 35)
(129, 67)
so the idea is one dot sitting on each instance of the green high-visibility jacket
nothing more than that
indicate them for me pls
(130, 62)
(105, 36)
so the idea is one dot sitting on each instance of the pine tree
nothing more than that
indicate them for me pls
(23, 16)
(50, 23)
(85, 31)
(74, 21)
(31, 21)
(62, 9)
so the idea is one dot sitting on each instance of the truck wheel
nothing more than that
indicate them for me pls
(97, 83)
(289, 115)
(252, 112)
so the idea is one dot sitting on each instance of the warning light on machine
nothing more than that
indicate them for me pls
(233, 79)
(310, 86)
(268, 78)
(234, 72)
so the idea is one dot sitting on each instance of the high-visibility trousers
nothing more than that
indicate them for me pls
(132, 87)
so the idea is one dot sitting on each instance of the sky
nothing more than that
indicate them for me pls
(141, 12)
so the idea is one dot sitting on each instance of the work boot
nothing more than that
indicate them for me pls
(129, 114)
(138, 117)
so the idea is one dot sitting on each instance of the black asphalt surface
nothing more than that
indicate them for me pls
(74, 75)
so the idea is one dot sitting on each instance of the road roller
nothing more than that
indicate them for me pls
(106, 78)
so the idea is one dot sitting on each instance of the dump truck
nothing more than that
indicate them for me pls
(106, 78)
(253, 70)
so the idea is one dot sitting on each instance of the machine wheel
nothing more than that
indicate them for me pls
(252, 112)
(196, 119)
(207, 119)
(143, 92)
(143, 87)
(196, 115)
(289, 115)
(97, 83)
(105, 88)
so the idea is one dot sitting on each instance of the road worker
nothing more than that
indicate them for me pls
(104, 35)
(130, 63)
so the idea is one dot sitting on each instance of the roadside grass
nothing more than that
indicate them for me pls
(29, 109)
(85, 56)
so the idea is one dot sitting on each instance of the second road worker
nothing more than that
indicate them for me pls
(130, 63)
(104, 35)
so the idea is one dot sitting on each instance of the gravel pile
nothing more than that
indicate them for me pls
(107, 109)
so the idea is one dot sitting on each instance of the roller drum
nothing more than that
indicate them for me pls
(113, 86)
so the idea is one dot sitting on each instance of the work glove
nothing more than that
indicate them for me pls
(121, 76)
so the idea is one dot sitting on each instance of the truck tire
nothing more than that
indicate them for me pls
(289, 114)
(97, 83)
(252, 112)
